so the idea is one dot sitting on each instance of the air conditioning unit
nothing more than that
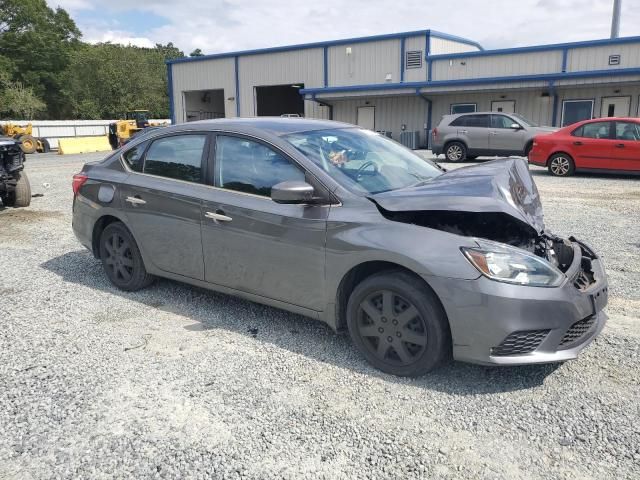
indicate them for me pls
(410, 139)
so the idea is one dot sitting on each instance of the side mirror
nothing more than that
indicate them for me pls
(515, 126)
(292, 192)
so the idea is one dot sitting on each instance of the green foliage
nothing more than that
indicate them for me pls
(43, 59)
(106, 80)
(38, 42)
(196, 53)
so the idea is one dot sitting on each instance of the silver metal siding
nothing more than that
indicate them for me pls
(391, 113)
(597, 93)
(597, 58)
(497, 65)
(203, 75)
(298, 66)
(416, 74)
(368, 63)
(441, 46)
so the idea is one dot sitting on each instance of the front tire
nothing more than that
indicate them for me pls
(121, 258)
(561, 165)
(28, 144)
(455, 152)
(21, 196)
(397, 323)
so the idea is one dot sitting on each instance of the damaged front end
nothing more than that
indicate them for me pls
(11, 165)
(497, 201)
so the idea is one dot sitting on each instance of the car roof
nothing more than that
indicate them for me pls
(479, 113)
(610, 119)
(274, 125)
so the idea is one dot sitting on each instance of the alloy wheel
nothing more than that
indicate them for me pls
(560, 166)
(454, 153)
(391, 328)
(119, 257)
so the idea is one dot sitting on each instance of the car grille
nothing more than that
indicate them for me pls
(577, 331)
(520, 343)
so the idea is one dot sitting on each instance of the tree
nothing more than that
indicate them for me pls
(18, 101)
(196, 53)
(38, 41)
(107, 80)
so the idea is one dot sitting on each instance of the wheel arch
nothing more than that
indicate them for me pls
(98, 228)
(360, 272)
(559, 152)
(452, 140)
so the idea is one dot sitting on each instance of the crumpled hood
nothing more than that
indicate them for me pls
(500, 186)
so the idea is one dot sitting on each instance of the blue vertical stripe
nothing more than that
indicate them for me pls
(325, 53)
(402, 61)
(237, 88)
(427, 54)
(172, 115)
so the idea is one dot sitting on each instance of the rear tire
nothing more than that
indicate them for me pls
(46, 146)
(455, 152)
(397, 323)
(21, 196)
(28, 144)
(561, 165)
(121, 258)
(471, 157)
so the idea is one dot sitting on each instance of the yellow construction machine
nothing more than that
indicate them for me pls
(135, 121)
(24, 135)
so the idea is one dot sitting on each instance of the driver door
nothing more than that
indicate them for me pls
(253, 244)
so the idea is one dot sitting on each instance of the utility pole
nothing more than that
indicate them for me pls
(615, 21)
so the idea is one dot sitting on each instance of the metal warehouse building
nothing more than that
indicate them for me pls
(405, 82)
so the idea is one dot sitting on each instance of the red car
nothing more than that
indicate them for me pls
(602, 144)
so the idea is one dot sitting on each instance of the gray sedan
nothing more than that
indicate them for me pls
(348, 227)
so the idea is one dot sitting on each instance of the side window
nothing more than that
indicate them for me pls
(627, 131)
(593, 130)
(251, 167)
(500, 121)
(459, 122)
(133, 157)
(480, 121)
(178, 156)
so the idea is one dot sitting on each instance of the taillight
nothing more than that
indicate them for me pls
(78, 181)
(435, 132)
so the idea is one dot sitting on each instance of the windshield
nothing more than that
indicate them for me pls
(363, 160)
(526, 121)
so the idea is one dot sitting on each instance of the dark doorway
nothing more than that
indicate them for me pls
(277, 100)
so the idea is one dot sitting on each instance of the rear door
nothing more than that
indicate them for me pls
(162, 202)
(253, 244)
(474, 131)
(504, 140)
(626, 151)
(592, 145)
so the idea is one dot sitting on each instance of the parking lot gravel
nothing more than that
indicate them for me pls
(179, 382)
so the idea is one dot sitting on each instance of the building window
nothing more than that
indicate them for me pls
(575, 111)
(462, 108)
(414, 59)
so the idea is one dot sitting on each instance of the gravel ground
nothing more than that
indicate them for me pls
(175, 381)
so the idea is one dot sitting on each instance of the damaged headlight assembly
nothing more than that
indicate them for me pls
(507, 264)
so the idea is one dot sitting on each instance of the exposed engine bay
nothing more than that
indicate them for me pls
(11, 165)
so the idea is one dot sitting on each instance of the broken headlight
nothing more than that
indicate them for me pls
(507, 264)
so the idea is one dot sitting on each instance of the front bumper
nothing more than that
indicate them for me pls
(533, 323)
(537, 157)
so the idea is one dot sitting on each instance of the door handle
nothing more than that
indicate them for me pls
(619, 145)
(135, 201)
(493, 133)
(464, 131)
(218, 217)
(577, 143)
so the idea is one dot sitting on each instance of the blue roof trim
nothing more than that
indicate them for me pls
(477, 81)
(538, 48)
(302, 46)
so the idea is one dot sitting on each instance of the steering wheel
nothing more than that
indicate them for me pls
(363, 166)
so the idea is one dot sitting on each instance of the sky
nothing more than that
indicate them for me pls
(217, 26)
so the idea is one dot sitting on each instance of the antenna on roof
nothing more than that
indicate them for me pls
(615, 21)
